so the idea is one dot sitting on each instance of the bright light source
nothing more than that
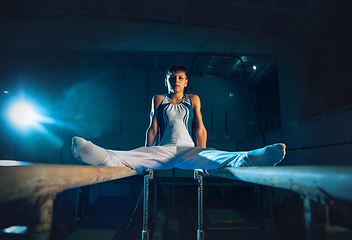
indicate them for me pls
(231, 94)
(22, 114)
(254, 68)
(16, 229)
(13, 163)
(6, 92)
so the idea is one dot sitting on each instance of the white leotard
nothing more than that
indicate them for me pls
(175, 122)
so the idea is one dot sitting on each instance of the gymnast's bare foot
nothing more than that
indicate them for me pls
(86, 152)
(268, 156)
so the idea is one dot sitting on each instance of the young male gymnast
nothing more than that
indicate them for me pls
(173, 118)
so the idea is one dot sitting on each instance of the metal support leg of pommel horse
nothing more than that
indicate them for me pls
(317, 224)
(314, 219)
(145, 231)
(200, 231)
(40, 211)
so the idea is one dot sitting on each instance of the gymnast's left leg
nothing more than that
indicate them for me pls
(267, 156)
(206, 158)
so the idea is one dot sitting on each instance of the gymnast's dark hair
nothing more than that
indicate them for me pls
(176, 68)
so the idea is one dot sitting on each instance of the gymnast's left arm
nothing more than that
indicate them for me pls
(199, 129)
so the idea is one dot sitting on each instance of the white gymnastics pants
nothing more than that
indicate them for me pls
(170, 156)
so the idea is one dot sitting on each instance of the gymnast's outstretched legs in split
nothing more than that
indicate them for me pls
(169, 156)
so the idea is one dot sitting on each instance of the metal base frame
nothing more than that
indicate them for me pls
(147, 178)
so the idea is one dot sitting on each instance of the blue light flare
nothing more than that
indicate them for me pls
(16, 230)
(27, 117)
(13, 163)
(90, 109)
(22, 113)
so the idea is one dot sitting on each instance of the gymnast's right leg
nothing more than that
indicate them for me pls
(156, 157)
(91, 154)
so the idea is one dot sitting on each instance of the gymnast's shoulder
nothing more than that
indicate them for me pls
(194, 98)
(157, 99)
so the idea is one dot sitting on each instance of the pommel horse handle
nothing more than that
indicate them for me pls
(147, 177)
(200, 231)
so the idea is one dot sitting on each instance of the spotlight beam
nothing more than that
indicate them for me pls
(23, 114)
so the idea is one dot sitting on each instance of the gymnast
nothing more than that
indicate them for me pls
(174, 117)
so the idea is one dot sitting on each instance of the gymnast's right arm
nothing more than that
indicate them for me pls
(152, 131)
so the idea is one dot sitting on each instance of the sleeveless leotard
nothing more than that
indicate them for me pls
(175, 122)
(176, 148)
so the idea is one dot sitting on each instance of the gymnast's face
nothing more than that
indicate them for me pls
(176, 82)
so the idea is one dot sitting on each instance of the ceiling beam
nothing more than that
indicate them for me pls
(315, 15)
(108, 6)
(145, 7)
(268, 10)
(224, 13)
(72, 7)
(247, 4)
(304, 16)
(34, 8)
(184, 12)
(131, 36)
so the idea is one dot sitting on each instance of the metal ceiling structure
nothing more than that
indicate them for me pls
(153, 34)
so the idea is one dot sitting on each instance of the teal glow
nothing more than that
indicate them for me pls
(16, 229)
